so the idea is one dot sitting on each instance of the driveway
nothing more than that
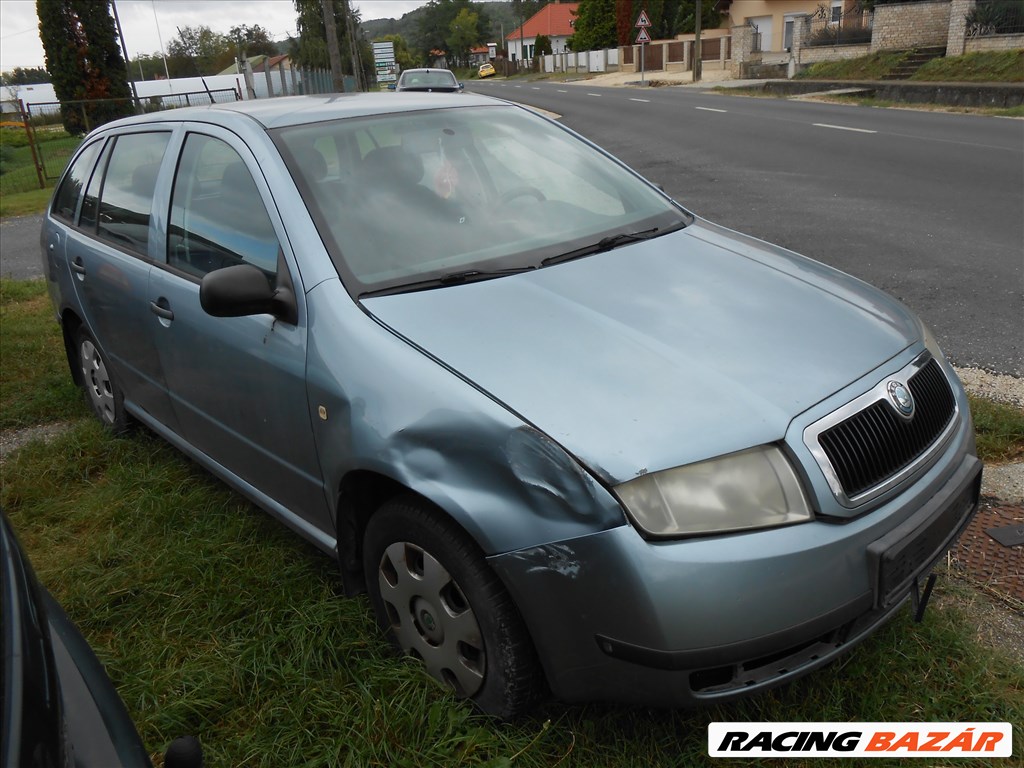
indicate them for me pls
(19, 247)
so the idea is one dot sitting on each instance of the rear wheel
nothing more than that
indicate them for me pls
(437, 599)
(101, 390)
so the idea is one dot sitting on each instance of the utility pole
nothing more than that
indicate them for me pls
(124, 50)
(333, 51)
(350, 26)
(696, 45)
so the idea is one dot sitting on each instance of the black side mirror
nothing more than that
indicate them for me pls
(245, 290)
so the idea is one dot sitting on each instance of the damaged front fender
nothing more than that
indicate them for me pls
(421, 426)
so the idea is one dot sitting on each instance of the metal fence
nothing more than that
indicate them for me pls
(836, 26)
(995, 17)
(79, 117)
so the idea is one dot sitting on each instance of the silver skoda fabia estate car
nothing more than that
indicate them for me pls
(568, 436)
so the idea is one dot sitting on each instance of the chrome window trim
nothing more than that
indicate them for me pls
(873, 395)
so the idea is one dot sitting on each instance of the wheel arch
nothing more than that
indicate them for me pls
(70, 322)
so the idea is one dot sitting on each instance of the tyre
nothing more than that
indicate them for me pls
(102, 393)
(436, 599)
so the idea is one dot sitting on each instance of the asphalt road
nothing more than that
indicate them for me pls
(20, 256)
(927, 206)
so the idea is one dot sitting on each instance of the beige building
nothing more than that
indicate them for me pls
(774, 19)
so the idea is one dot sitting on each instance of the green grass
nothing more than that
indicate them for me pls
(213, 619)
(980, 67)
(999, 429)
(35, 386)
(872, 67)
(17, 171)
(24, 203)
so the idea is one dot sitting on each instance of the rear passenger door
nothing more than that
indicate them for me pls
(238, 384)
(110, 252)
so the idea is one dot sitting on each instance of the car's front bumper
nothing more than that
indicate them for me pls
(615, 617)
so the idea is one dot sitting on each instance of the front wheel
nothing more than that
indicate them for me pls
(437, 600)
(101, 389)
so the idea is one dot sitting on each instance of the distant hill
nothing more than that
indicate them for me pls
(500, 15)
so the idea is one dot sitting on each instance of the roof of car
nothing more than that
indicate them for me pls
(297, 110)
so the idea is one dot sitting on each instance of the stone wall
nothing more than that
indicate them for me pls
(813, 54)
(901, 26)
(994, 43)
(742, 48)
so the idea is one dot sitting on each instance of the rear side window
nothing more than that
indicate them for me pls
(218, 218)
(65, 203)
(127, 194)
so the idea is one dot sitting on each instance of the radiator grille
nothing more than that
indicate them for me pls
(875, 443)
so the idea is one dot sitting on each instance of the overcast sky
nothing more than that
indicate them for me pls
(19, 27)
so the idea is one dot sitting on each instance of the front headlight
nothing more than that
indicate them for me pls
(757, 488)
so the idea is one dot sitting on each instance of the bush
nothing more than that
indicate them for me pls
(835, 34)
(995, 17)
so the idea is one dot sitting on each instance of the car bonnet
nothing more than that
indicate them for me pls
(682, 348)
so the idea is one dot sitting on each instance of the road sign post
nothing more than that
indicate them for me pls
(642, 38)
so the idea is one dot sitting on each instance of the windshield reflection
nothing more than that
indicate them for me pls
(405, 198)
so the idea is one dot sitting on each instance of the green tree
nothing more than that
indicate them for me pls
(463, 34)
(310, 49)
(594, 27)
(435, 24)
(85, 63)
(199, 51)
(25, 76)
(147, 66)
(252, 41)
(542, 46)
(710, 17)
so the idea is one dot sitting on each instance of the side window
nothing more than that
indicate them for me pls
(218, 218)
(65, 203)
(91, 203)
(127, 194)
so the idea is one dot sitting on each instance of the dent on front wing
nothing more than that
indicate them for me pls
(509, 487)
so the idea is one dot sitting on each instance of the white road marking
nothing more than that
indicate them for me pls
(561, 91)
(645, 101)
(710, 109)
(536, 88)
(593, 94)
(842, 128)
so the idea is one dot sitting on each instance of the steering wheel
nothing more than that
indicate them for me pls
(511, 194)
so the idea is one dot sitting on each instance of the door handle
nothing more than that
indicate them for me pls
(77, 266)
(161, 308)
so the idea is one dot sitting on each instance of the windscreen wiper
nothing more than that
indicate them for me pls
(608, 243)
(451, 278)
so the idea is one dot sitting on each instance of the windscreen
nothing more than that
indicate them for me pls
(403, 197)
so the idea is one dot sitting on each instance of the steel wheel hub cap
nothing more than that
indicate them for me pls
(430, 616)
(97, 381)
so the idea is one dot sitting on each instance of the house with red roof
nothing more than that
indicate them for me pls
(555, 20)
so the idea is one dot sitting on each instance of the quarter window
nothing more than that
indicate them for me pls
(65, 203)
(127, 195)
(218, 218)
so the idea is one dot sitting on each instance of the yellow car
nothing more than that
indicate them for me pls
(486, 70)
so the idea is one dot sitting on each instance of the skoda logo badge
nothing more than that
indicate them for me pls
(901, 398)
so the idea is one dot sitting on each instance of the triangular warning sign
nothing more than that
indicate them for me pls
(643, 21)
(642, 36)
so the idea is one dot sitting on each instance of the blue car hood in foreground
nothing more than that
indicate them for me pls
(682, 348)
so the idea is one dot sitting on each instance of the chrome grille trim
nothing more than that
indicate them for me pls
(872, 447)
